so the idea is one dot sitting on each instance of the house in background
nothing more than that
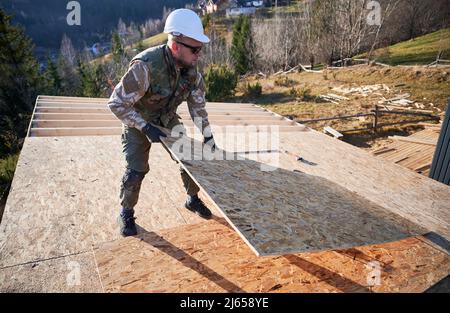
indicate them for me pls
(243, 7)
(212, 6)
(232, 7)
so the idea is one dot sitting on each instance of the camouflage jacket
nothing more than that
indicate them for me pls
(153, 88)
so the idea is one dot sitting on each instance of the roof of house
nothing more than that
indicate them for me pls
(63, 203)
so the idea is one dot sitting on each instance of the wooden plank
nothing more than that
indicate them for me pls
(180, 109)
(110, 116)
(43, 98)
(65, 197)
(281, 212)
(77, 273)
(430, 125)
(38, 123)
(109, 131)
(105, 103)
(402, 191)
(73, 116)
(211, 112)
(72, 110)
(333, 132)
(383, 150)
(411, 154)
(117, 123)
(210, 257)
(86, 131)
(414, 140)
(105, 110)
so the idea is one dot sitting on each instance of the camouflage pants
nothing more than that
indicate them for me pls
(136, 148)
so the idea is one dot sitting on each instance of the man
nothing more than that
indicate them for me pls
(157, 81)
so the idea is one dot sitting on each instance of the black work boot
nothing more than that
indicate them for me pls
(126, 223)
(194, 204)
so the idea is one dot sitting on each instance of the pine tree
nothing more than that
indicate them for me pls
(52, 78)
(93, 80)
(241, 44)
(70, 77)
(19, 83)
(140, 46)
(117, 48)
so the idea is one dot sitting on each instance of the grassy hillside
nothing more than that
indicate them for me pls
(295, 95)
(421, 50)
(155, 40)
(148, 42)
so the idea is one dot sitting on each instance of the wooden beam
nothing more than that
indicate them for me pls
(103, 131)
(333, 132)
(414, 140)
(37, 123)
(94, 131)
(74, 116)
(92, 110)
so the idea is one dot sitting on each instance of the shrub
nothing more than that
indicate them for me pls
(7, 169)
(253, 91)
(284, 81)
(303, 93)
(220, 82)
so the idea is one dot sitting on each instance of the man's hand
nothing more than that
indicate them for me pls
(210, 141)
(153, 133)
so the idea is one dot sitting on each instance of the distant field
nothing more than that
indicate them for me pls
(155, 40)
(418, 51)
(148, 42)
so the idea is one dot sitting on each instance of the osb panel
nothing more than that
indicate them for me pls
(65, 197)
(414, 197)
(168, 177)
(77, 273)
(281, 211)
(210, 257)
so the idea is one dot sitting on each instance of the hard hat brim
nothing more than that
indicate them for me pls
(198, 37)
(201, 38)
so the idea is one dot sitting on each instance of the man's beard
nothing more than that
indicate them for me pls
(183, 63)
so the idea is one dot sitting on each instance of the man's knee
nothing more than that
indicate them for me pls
(132, 179)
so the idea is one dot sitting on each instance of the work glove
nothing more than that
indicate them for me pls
(153, 133)
(210, 141)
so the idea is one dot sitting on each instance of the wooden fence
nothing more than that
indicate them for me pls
(377, 114)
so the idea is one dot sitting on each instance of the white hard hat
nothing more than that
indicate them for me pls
(187, 23)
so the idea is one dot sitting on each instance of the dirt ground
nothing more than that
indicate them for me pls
(296, 95)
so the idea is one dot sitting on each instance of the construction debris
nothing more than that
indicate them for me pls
(333, 98)
(401, 102)
(333, 132)
(363, 90)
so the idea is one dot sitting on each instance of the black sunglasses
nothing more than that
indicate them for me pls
(194, 50)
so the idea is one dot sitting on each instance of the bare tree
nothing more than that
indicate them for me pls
(217, 51)
(390, 6)
(165, 13)
(276, 42)
(151, 27)
(68, 51)
(121, 27)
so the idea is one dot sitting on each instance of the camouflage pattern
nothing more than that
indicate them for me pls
(151, 91)
(153, 88)
(136, 149)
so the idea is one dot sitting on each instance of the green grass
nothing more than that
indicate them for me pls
(155, 40)
(293, 7)
(7, 169)
(419, 51)
(148, 42)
